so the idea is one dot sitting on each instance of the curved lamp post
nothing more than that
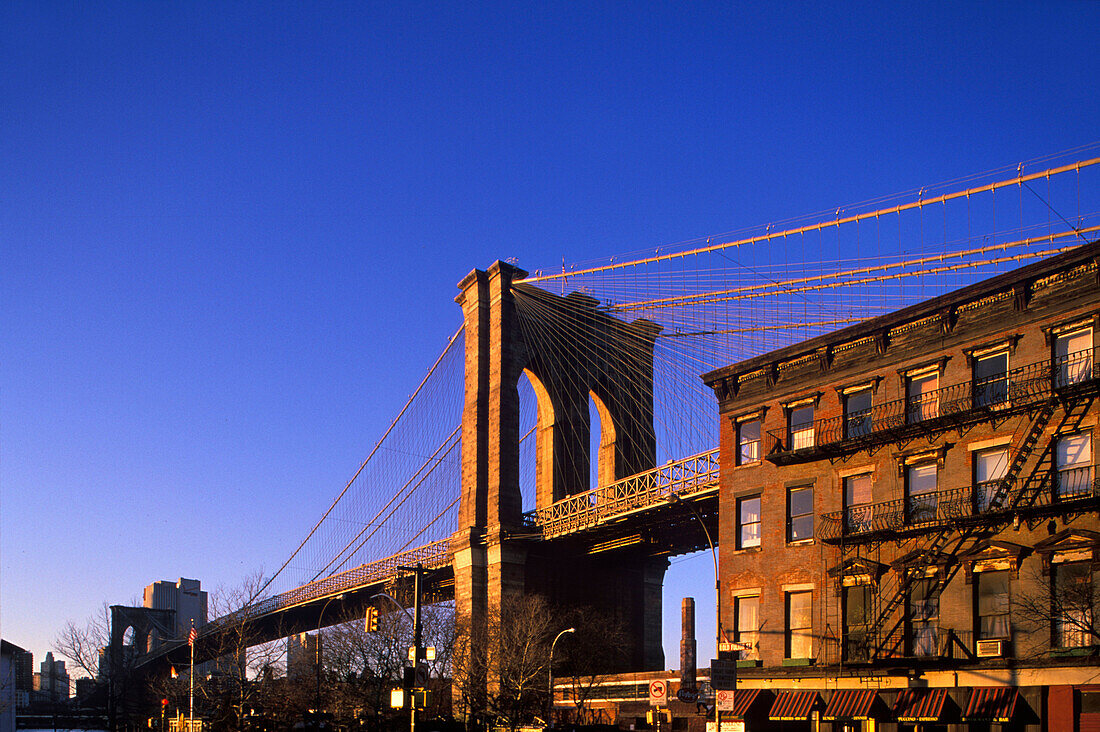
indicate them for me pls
(675, 498)
(550, 676)
(320, 618)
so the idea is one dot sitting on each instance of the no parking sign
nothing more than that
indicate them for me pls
(658, 693)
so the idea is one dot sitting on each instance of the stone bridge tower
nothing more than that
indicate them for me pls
(571, 353)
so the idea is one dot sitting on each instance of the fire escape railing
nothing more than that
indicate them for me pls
(870, 521)
(637, 492)
(954, 405)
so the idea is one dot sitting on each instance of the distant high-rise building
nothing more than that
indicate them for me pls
(52, 680)
(7, 685)
(301, 654)
(84, 688)
(22, 668)
(22, 665)
(186, 597)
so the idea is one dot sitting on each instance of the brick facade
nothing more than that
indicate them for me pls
(915, 521)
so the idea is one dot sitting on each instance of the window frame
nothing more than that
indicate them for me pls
(997, 395)
(792, 517)
(741, 443)
(801, 435)
(744, 635)
(919, 408)
(981, 578)
(1080, 475)
(918, 631)
(865, 510)
(862, 417)
(742, 524)
(802, 634)
(1068, 370)
(1078, 637)
(982, 488)
(860, 630)
(915, 511)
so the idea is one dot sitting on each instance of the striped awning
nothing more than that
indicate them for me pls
(743, 699)
(792, 706)
(853, 704)
(920, 705)
(991, 704)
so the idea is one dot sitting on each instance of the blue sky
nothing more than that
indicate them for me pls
(230, 233)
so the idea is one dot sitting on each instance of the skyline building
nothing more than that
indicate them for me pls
(186, 597)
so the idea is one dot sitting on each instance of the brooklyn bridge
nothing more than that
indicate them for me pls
(563, 443)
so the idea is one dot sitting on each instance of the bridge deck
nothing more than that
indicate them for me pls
(620, 502)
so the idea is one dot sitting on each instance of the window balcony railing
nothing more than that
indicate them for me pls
(954, 405)
(972, 503)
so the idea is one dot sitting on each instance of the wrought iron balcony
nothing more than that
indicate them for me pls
(928, 644)
(1049, 490)
(952, 406)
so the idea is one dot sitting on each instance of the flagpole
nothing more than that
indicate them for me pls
(191, 703)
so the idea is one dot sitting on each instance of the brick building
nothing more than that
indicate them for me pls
(909, 516)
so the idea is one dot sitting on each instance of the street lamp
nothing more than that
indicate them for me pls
(674, 499)
(320, 618)
(550, 676)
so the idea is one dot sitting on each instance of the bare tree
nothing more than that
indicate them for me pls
(1060, 608)
(597, 644)
(363, 667)
(82, 643)
(228, 685)
(500, 672)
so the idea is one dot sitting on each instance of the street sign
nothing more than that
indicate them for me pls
(730, 646)
(723, 674)
(658, 693)
(421, 674)
(724, 699)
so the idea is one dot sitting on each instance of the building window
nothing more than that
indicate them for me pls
(801, 426)
(920, 484)
(746, 618)
(1074, 600)
(1073, 466)
(858, 512)
(991, 380)
(748, 442)
(857, 413)
(990, 467)
(799, 624)
(857, 623)
(922, 397)
(1073, 357)
(800, 513)
(992, 591)
(923, 615)
(748, 522)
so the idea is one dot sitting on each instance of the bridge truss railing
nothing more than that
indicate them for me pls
(685, 477)
(433, 555)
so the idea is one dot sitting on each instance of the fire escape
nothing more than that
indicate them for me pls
(944, 523)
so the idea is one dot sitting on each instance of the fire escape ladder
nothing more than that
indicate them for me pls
(1039, 478)
(1023, 452)
(898, 591)
(895, 638)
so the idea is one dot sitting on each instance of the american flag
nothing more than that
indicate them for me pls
(192, 636)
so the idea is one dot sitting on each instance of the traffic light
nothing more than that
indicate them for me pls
(372, 619)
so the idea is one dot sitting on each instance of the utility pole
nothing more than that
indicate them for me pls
(418, 640)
